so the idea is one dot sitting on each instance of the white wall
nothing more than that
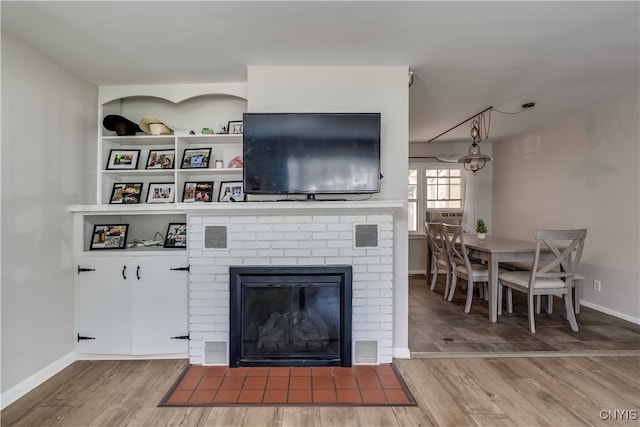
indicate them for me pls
(581, 171)
(49, 122)
(354, 89)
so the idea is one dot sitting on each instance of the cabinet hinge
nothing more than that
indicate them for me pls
(187, 268)
(81, 338)
(181, 337)
(84, 270)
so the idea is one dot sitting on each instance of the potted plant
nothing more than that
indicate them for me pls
(481, 229)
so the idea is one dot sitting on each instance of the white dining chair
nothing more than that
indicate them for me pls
(473, 273)
(549, 275)
(439, 258)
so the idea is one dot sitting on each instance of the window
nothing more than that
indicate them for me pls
(433, 187)
(443, 188)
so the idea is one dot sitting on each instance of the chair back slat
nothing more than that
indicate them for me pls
(456, 248)
(435, 232)
(565, 247)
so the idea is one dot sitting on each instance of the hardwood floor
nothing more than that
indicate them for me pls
(437, 327)
(587, 390)
(570, 391)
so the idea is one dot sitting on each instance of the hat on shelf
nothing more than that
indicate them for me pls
(155, 126)
(121, 125)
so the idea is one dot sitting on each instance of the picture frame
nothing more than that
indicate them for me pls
(196, 158)
(161, 192)
(161, 159)
(109, 236)
(197, 192)
(176, 236)
(231, 191)
(124, 193)
(123, 159)
(235, 127)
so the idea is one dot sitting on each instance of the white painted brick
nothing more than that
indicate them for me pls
(380, 268)
(366, 326)
(325, 235)
(340, 226)
(296, 235)
(386, 309)
(298, 219)
(367, 293)
(270, 236)
(297, 253)
(311, 261)
(366, 309)
(312, 244)
(271, 253)
(339, 244)
(379, 218)
(275, 219)
(313, 227)
(366, 260)
(284, 261)
(285, 227)
(248, 228)
(326, 218)
(241, 219)
(244, 253)
(380, 301)
(244, 236)
(285, 244)
(379, 318)
(356, 301)
(324, 252)
(386, 293)
(353, 218)
(215, 220)
(357, 335)
(346, 235)
(257, 245)
(338, 260)
(358, 318)
(386, 235)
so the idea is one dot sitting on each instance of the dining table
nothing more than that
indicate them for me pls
(494, 250)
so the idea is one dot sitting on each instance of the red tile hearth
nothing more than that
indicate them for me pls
(365, 385)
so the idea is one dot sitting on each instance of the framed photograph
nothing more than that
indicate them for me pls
(197, 192)
(176, 236)
(110, 236)
(161, 159)
(235, 127)
(123, 159)
(194, 158)
(231, 191)
(126, 193)
(161, 192)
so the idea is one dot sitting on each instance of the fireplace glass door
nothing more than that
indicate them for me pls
(291, 321)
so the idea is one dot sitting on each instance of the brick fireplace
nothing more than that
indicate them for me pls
(289, 234)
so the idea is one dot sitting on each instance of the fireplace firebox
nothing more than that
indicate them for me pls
(290, 316)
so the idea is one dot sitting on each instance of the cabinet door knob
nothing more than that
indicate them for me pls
(124, 272)
(138, 272)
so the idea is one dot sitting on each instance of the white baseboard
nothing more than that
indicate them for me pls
(412, 272)
(16, 392)
(401, 353)
(611, 312)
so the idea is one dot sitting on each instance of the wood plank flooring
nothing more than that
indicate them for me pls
(438, 327)
(570, 391)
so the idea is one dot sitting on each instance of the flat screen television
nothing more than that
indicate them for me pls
(311, 153)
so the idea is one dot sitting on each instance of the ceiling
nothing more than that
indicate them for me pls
(466, 56)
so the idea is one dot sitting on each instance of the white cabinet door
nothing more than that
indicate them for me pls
(159, 295)
(103, 306)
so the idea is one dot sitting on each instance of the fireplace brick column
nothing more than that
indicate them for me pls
(290, 240)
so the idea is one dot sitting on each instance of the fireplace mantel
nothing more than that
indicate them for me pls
(302, 207)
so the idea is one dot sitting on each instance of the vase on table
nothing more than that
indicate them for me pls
(482, 236)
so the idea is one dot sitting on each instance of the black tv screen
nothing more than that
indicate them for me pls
(311, 153)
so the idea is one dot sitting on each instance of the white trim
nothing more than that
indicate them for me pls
(22, 388)
(611, 312)
(401, 353)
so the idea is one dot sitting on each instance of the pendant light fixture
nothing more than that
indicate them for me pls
(475, 160)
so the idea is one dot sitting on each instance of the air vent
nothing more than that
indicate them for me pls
(215, 353)
(366, 236)
(366, 352)
(215, 237)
